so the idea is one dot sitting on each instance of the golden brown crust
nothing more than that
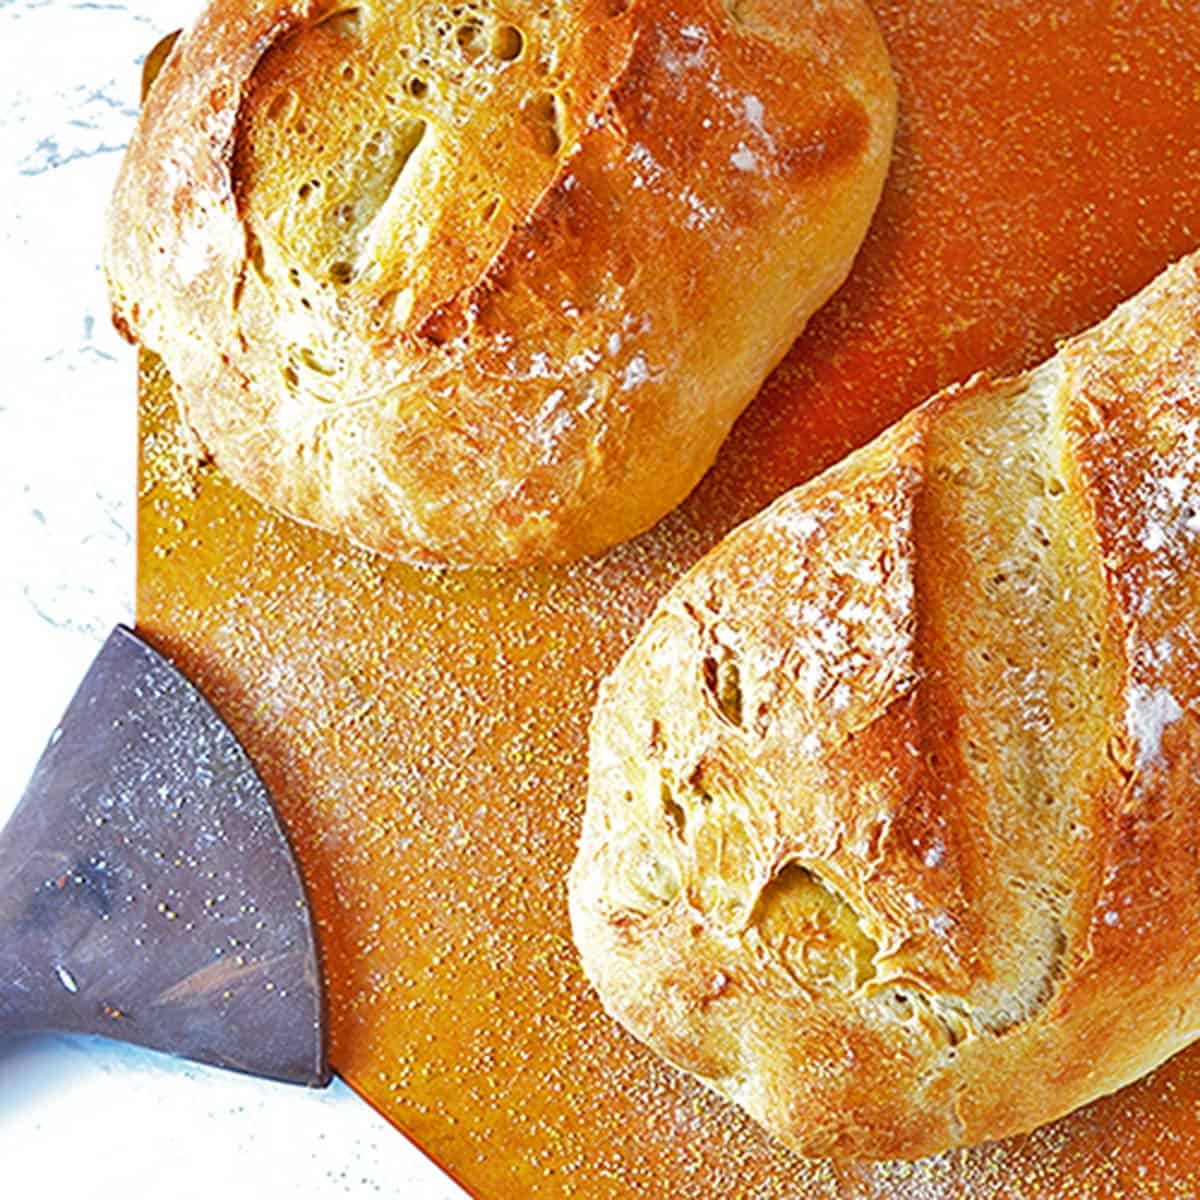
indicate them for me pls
(891, 819)
(397, 310)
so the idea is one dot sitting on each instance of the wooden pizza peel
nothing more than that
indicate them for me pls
(424, 732)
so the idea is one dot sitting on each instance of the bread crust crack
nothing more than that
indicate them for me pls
(966, 819)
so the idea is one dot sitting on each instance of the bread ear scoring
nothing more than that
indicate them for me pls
(491, 284)
(891, 819)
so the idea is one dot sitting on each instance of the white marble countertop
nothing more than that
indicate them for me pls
(128, 1120)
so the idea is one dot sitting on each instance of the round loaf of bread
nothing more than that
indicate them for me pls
(489, 282)
(891, 826)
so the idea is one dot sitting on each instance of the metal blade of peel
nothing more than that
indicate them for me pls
(148, 892)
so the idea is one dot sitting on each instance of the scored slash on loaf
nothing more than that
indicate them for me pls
(891, 823)
(490, 282)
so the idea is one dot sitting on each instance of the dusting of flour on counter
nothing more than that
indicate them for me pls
(743, 158)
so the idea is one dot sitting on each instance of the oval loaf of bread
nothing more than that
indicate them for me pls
(892, 828)
(489, 282)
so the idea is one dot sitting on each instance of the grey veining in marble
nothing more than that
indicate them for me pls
(89, 1116)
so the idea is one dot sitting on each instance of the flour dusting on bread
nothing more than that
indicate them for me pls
(371, 240)
(909, 760)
